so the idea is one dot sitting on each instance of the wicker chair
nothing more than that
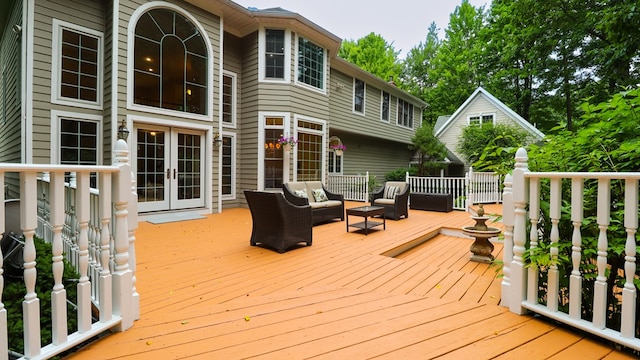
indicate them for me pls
(277, 223)
(394, 197)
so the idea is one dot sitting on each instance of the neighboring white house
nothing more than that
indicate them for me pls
(481, 107)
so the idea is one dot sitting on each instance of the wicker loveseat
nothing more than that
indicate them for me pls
(394, 197)
(329, 207)
(277, 223)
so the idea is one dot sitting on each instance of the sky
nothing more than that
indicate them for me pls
(404, 23)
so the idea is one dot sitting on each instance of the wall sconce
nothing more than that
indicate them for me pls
(123, 132)
(217, 140)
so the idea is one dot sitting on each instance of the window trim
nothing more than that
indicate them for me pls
(286, 121)
(480, 116)
(323, 145)
(234, 99)
(56, 65)
(323, 89)
(412, 120)
(56, 118)
(261, 52)
(231, 196)
(388, 119)
(133, 21)
(364, 97)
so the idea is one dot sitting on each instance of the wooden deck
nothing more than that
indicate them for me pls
(206, 294)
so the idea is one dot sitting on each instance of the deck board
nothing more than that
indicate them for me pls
(206, 294)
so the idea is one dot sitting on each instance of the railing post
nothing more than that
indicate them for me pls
(133, 226)
(518, 271)
(4, 339)
(507, 255)
(106, 280)
(122, 276)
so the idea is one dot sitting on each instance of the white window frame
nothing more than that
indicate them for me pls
(131, 36)
(261, 54)
(364, 97)
(231, 196)
(323, 89)
(56, 118)
(286, 121)
(336, 159)
(234, 99)
(388, 119)
(411, 114)
(56, 65)
(322, 133)
(481, 119)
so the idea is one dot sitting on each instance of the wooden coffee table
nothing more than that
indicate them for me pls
(366, 212)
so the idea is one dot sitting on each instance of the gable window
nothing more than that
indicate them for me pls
(384, 114)
(229, 98)
(170, 62)
(76, 65)
(481, 119)
(309, 150)
(310, 63)
(405, 113)
(358, 96)
(228, 166)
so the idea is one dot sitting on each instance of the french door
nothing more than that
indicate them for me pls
(169, 168)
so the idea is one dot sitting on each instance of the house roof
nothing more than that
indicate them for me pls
(438, 130)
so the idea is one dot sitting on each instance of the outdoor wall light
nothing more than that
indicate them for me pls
(123, 132)
(217, 140)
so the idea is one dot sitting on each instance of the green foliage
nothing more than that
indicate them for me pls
(431, 151)
(492, 147)
(372, 53)
(14, 292)
(607, 140)
(400, 174)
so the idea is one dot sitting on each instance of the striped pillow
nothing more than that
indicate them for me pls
(390, 192)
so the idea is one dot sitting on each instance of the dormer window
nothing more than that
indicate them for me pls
(481, 119)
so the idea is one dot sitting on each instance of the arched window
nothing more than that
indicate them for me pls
(170, 62)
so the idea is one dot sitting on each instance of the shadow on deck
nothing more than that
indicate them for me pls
(205, 293)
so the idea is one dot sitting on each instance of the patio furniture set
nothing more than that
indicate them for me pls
(284, 220)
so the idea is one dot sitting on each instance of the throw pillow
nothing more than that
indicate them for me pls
(302, 193)
(390, 192)
(319, 195)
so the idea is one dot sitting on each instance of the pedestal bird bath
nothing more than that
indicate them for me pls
(481, 248)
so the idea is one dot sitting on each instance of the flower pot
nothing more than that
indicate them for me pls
(338, 152)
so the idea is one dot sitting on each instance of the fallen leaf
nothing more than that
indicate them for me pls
(246, 318)
(185, 322)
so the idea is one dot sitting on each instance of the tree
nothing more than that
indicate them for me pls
(431, 151)
(456, 64)
(416, 68)
(492, 147)
(374, 54)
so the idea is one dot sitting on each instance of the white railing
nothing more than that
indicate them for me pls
(441, 185)
(91, 229)
(353, 187)
(484, 187)
(532, 230)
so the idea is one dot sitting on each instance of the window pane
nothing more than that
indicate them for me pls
(309, 151)
(274, 53)
(79, 66)
(182, 83)
(310, 63)
(273, 163)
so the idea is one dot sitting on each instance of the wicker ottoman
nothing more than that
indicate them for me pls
(431, 202)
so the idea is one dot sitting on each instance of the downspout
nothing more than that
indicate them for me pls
(115, 23)
(28, 13)
(220, 85)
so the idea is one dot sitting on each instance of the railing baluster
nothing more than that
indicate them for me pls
(28, 224)
(629, 291)
(553, 284)
(59, 294)
(575, 281)
(520, 195)
(600, 286)
(105, 283)
(534, 215)
(84, 286)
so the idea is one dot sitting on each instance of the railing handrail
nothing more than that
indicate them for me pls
(11, 167)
